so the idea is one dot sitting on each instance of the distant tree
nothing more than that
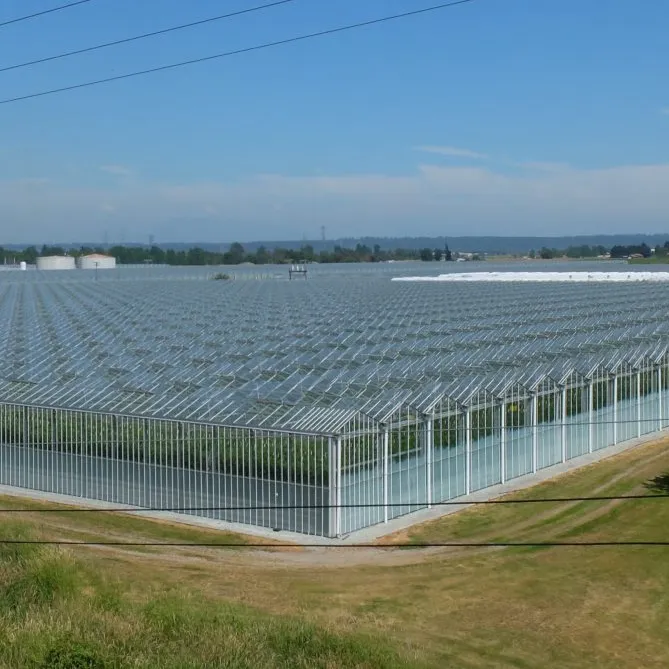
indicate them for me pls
(438, 254)
(448, 256)
(625, 251)
(196, 256)
(52, 251)
(377, 254)
(619, 251)
(30, 255)
(547, 254)
(426, 254)
(235, 255)
(533, 253)
(362, 253)
(308, 253)
(262, 256)
(584, 251)
(126, 255)
(157, 255)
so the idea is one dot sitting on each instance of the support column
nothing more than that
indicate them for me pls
(468, 451)
(332, 487)
(590, 417)
(428, 431)
(638, 404)
(563, 419)
(534, 403)
(335, 486)
(339, 523)
(386, 472)
(659, 398)
(502, 443)
(615, 409)
(26, 427)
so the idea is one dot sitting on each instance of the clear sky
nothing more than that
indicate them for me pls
(509, 117)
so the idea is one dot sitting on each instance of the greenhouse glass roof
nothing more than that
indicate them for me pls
(310, 355)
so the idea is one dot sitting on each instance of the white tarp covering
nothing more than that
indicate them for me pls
(543, 277)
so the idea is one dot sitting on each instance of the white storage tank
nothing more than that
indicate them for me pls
(96, 261)
(23, 265)
(55, 262)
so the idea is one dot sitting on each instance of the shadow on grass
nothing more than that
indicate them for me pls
(660, 484)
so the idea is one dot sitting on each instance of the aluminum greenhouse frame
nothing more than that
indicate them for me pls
(320, 407)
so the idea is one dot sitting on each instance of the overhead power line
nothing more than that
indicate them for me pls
(42, 13)
(155, 33)
(236, 52)
(381, 505)
(445, 544)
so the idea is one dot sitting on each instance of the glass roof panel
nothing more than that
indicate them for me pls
(312, 355)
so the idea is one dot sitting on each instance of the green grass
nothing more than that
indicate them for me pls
(653, 260)
(519, 608)
(556, 520)
(58, 613)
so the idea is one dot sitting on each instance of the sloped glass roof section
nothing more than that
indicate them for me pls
(309, 356)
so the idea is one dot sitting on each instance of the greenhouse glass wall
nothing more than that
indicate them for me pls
(319, 407)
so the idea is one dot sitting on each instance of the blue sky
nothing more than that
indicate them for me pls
(495, 117)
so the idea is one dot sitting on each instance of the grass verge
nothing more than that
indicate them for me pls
(57, 612)
(464, 608)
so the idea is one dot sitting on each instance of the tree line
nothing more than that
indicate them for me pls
(575, 252)
(235, 255)
(638, 250)
(617, 251)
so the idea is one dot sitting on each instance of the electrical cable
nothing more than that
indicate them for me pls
(445, 544)
(42, 13)
(145, 35)
(235, 52)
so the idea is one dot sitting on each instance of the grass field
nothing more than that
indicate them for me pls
(201, 607)
(653, 260)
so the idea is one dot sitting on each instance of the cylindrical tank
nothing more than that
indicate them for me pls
(23, 265)
(96, 261)
(55, 262)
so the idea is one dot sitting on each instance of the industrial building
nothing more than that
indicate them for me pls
(55, 263)
(324, 406)
(96, 261)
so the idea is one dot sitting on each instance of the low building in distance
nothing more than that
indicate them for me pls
(96, 261)
(55, 262)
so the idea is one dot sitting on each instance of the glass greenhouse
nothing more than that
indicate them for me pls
(322, 406)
